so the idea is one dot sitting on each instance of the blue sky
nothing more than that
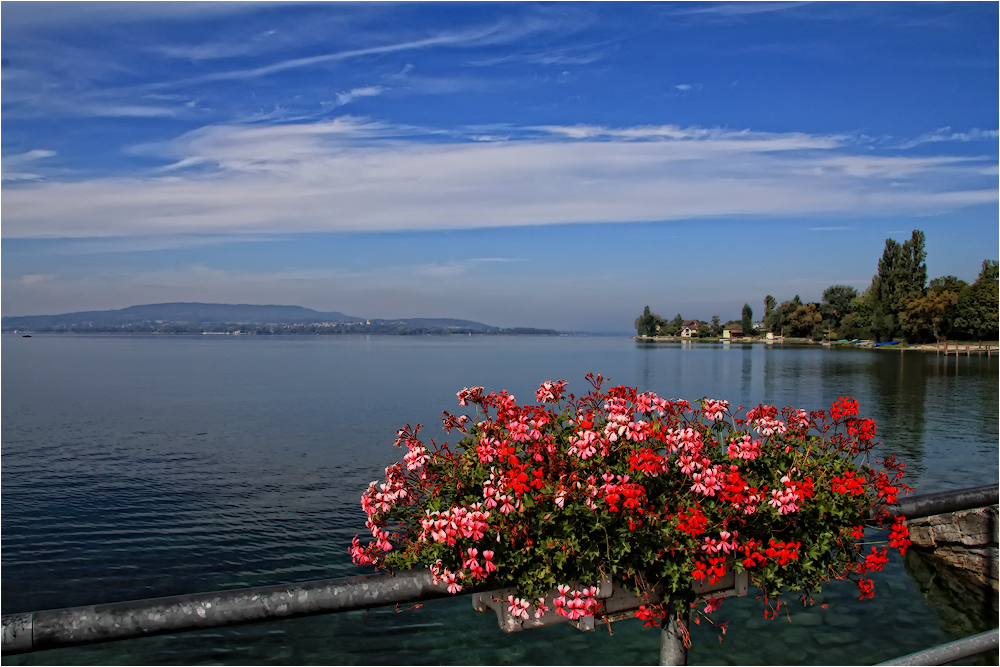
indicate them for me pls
(521, 164)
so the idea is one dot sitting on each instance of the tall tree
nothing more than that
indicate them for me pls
(641, 323)
(716, 325)
(902, 274)
(769, 304)
(747, 319)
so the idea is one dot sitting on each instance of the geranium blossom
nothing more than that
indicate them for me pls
(573, 488)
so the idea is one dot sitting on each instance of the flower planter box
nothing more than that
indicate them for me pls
(617, 602)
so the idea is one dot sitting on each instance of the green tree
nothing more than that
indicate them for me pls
(781, 317)
(716, 326)
(806, 321)
(841, 300)
(977, 307)
(948, 284)
(747, 319)
(769, 305)
(924, 316)
(674, 326)
(642, 323)
(902, 274)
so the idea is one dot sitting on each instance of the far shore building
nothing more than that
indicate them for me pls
(732, 333)
(689, 329)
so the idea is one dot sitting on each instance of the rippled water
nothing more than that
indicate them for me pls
(147, 466)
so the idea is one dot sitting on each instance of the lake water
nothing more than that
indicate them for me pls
(146, 466)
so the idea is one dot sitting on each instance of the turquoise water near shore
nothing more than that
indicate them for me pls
(158, 465)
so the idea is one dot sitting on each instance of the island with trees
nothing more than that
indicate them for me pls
(900, 304)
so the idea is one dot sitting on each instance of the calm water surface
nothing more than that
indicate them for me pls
(146, 466)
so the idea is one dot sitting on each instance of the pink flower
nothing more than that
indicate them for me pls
(518, 608)
(488, 557)
(714, 409)
(713, 604)
(550, 392)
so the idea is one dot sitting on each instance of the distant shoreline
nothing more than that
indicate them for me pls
(965, 347)
(242, 334)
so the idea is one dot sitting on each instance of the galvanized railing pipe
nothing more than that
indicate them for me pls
(952, 651)
(34, 631)
(74, 626)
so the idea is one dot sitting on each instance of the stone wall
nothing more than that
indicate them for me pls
(966, 541)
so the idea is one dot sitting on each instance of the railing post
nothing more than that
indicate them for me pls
(673, 633)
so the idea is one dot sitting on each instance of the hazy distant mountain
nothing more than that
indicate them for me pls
(189, 313)
(179, 317)
(438, 322)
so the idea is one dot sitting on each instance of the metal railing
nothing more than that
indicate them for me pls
(952, 651)
(76, 626)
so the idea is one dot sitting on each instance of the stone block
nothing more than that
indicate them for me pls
(921, 534)
(976, 527)
(945, 528)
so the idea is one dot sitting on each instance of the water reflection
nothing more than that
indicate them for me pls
(937, 414)
(964, 606)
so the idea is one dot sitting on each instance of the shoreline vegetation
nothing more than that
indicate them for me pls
(949, 347)
(900, 307)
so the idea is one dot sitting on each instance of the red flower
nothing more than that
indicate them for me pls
(899, 535)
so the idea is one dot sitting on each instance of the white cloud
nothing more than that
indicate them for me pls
(498, 33)
(458, 267)
(29, 16)
(12, 164)
(684, 87)
(584, 55)
(351, 95)
(946, 134)
(351, 174)
(738, 8)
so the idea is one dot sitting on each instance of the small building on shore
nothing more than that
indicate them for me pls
(732, 333)
(689, 328)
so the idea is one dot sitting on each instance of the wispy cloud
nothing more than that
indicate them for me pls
(349, 96)
(12, 164)
(459, 267)
(24, 16)
(946, 134)
(498, 33)
(578, 55)
(358, 174)
(736, 8)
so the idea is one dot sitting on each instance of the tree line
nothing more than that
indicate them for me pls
(900, 303)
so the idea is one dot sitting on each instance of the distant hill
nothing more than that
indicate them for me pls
(180, 313)
(244, 319)
(438, 323)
